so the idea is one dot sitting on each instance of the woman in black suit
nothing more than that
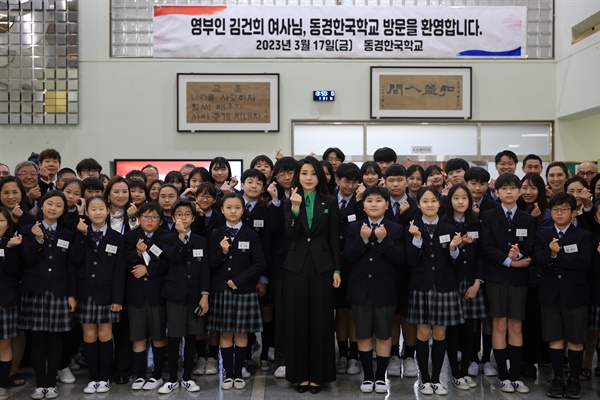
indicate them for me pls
(313, 262)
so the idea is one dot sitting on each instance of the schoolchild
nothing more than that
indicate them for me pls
(147, 267)
(384, 157)
(578, 188)
(186, 290)
(220, 175)
(48, 289)
(347, 177)
(335, 157)
(88, 167)
(92, 187)
(329, 176)
(135, 174)
(197, 176)
(139, 192)
(63, 175)
(507, 235)
(374, 249)
(455, 170)
(431, 251)
(176, 179)
(10, 270)
(167, 196)
(100, 290)
(73, 191)
(236, 261)
(49, 162)
(415, 175)
(435, 177)
(153, 189)
(468, 271)
(264, 164)
(564, 253)
(477, 181)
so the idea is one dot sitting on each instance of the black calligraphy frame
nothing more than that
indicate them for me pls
(377, 111)
(184, 126)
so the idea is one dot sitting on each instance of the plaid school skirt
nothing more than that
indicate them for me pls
(9, 319)
(231, 312)
(88, 312)
(594, 318)
(472, 308)
(435, 308)
(44, 312)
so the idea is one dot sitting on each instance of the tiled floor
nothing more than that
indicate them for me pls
(263, 386)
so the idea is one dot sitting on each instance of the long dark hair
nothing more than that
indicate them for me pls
(321, 188)
(331, 184)
(469, 216)
(219, 162)
(541, 200)
(24, 203)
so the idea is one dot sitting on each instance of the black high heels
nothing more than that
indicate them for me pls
(302, 388)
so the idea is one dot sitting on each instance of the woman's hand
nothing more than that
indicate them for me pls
(337, 280)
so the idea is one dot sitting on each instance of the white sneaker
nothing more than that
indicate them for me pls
(366, 387)
(280, 372)
(138, 384)
(245, 373)
(152, 384)
(239, 383)
(473, 369)
(212, 366)
(393, 368)
(460, 383)
(190, 386)
(3, 394)
(265, 365)
(38, 393)
(489, 370)
(342, 366)
(438, 388)
(353, 367)
(506, 386)
(381, 387)
(51, 393)
(470, 381)
(520, 387)
(410, 368)
(426, 388)
(103, 387)
(227, 384)
(91, 387)
(200, 368)
(168, 387)
(66, 376)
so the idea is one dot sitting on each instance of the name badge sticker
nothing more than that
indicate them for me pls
(244, 245)
(1, 252)
(445, 239)
(352, 218)
(63, 244)
(111, 249)
(197, 253)
(522, 232)
(571, 248)
(155, 250)
(474, 234)
(259, 223)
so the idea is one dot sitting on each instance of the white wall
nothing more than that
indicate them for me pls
(128, 106)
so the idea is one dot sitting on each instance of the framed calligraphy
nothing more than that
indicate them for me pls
(421, 92)
(228, 102)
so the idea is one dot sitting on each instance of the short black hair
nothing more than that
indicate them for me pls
(138, 183)
(454, 164)
(52, 193)
(263, 158)
(576, 178)
(338, 153)
(285, 164)
(416, 168)
(477, 174)
(73, 180)
(88, 164)
(376, 190)
(184, 203)
(507, 180)
(149, 207)
(254, 173)
(204, 175)
(92, 184)
(208, 188)
(63, 171)
(134, 173)
(562, 198)
(233, 195)
(395, 170)
(532, 157)
(507, 153)
(367, 165)
(429, 189)
(349, 171)
(385, 154)
(173, 176)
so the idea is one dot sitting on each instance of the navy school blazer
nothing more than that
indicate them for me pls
(259, 221)
(10, 267)
(374, 266)
(469, 264)
(200, 227)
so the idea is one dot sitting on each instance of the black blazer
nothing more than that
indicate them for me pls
(200, 227)
(374, 266)
(188, 274)
(149, 286)
(594, 276)
(50, 267)
(243, 267)
(321, 242)
(565, 277)
(497, 237)
(469, 264)
(280, 242)
(350, 214)
(101, 274)
(487, 204)
(259, 215)
(431, 264)
(9, 274)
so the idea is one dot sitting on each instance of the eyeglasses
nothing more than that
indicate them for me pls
(183, 215)
(285, 174)
(151, 176)
(27, 174)
(332, 159)
(150, 217)
(90, 171)
(346, 182)
(556, 210)
(586, 173)
(205, 197)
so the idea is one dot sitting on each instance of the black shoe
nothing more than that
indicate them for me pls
(573, 389)
(315, 389)
(556, 390)
(302, 388)
(529, 371)
(121, 380)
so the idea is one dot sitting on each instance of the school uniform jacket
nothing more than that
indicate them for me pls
(487, 204)
(149, 286)
(9, 274)
(497, 237)
(102, 272)
(189, 271)
(374, 265)
(348, 216)
(594, 275)
(469, 264)
(200, 227)
(431, 264)
(564, 277)
(280, 242)
(258, 220)
(242, 266)
(321, 242)
(48, 266)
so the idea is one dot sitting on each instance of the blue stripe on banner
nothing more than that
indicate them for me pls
(515, 52)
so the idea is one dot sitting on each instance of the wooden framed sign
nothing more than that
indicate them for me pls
(228, 102)
(420, 92)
